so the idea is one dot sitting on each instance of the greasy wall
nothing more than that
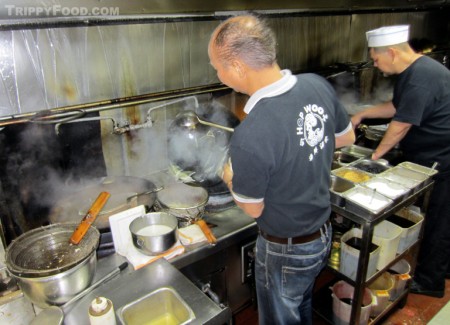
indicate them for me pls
(43, 68)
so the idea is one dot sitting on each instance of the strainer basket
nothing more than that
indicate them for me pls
(47, 251)
(185, 202)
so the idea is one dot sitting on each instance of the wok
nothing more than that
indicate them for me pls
(197, 150)
(78, 198)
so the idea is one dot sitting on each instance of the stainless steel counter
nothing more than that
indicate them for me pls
(231, 226)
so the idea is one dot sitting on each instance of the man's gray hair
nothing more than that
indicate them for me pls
(247, 38)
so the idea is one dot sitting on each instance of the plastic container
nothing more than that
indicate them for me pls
(400, 273)
(381, 290)
(388, 234)
(101, 312)
(349, 255)
(410, 220)
(342, 294)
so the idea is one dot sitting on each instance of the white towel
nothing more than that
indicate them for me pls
(191, 235)
(139, 260)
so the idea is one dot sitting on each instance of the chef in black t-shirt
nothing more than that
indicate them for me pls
(420, 112)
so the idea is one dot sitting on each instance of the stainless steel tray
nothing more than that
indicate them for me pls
(345, 158)
(357, 151)
(388, 188)
(406, 177)
(371, 166)
(352, 174)
(337, 187)
(418, 168)
(363, 201)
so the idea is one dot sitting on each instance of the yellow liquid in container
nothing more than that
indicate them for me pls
(164, 319)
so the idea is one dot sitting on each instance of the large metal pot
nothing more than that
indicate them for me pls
(154, 233)
(50, 270)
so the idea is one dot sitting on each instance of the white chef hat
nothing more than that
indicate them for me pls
(389, 35)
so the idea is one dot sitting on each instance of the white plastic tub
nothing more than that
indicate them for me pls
(349, 255)
(388, 234)
(400, 272)
(381, 290)
(409, 234)
(342, 291)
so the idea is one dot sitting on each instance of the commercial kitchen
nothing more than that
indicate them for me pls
(120, 98)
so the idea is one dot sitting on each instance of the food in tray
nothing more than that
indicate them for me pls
(352, 175)
(370, 201)
(361, 199)
(371, 166)
(390, 189)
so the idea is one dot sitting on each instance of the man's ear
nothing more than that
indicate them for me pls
(238, 67)
(393, 54)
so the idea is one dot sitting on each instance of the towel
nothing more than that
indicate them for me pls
(191, 235)
(140, 260)
(123, 242)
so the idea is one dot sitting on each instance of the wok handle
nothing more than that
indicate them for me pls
(208, 233)
(89, 218)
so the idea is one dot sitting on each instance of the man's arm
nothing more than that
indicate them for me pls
(386, 110)
(346, 139)
(254, 210)
(395, 132)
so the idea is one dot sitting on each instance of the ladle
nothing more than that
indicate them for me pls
(189, 118)
(54, 315)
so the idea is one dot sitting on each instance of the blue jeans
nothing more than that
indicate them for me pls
(285, 276)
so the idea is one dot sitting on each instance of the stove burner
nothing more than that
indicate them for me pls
(220, 198)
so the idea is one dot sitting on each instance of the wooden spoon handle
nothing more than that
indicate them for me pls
(89, 218)
(208, 233)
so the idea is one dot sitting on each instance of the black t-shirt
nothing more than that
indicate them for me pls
(282, 154)
(422, 98)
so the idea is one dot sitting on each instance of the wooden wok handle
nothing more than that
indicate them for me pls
(208, 233)
(89, 218)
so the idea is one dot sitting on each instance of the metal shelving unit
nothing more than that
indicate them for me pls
(367, 223)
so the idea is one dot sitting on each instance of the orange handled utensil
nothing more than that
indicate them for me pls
(208, 233)
(89, 218)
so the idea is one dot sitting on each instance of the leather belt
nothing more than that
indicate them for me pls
(294, 240)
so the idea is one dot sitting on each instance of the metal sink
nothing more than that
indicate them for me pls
(162, 306)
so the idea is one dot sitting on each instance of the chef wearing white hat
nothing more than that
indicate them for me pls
(420, 112)
(386, 36)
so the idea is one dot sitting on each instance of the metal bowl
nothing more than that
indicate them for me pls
(46, 251)
(154, 233)
(50, 270)
(60, 288)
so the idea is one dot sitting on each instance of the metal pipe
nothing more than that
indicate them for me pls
(69, 111)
